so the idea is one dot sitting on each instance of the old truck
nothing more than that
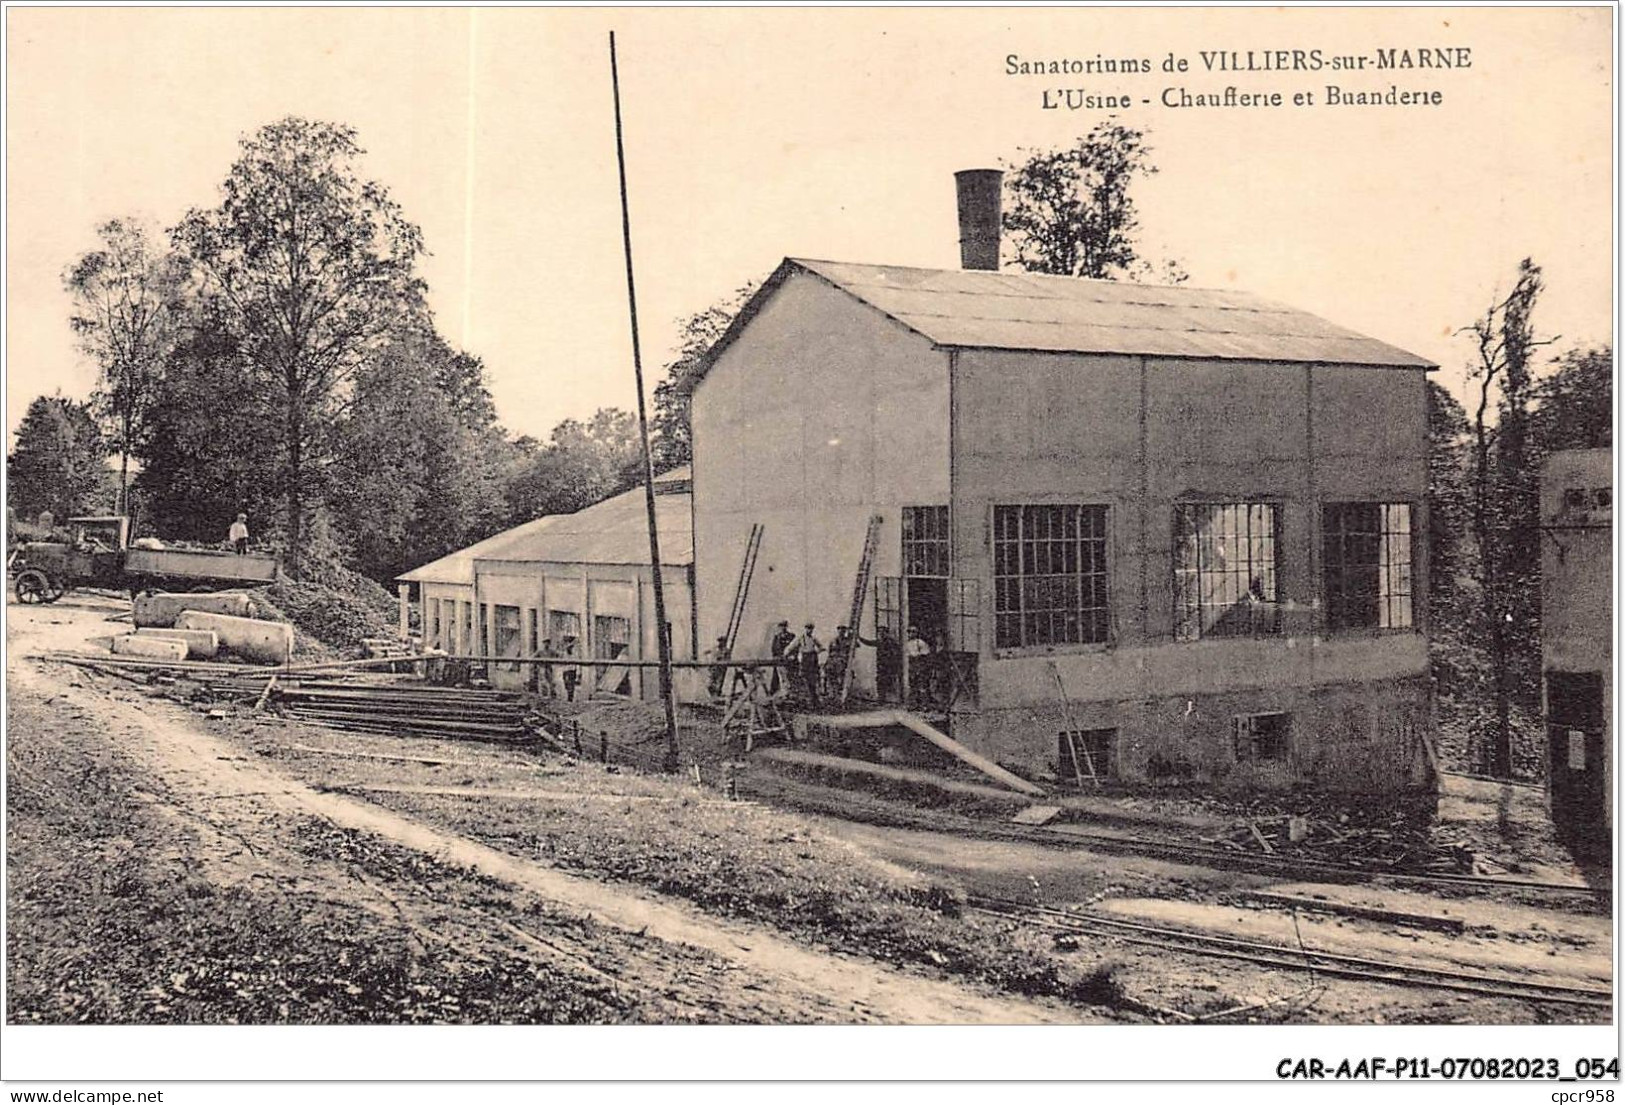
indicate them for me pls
(99, 554)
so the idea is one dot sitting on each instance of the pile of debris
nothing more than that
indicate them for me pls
(1393, 844)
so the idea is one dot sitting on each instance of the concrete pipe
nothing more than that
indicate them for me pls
(162, 609)
(149, 647)
(262, 642)
(201, 644)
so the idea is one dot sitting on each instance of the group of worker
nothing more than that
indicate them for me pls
(813, 671)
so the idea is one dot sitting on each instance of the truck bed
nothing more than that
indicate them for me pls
(201, 564)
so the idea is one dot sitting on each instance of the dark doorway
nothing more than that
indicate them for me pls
(1576, 750)
(927, 674)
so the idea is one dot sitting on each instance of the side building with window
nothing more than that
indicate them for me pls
(570, 587)
(1162, 534)
(1577, 670)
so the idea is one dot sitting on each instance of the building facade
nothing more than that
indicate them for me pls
(1577, 671)
(1180, 530)
(572, 586)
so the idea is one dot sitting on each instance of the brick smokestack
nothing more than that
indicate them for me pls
(979, 217)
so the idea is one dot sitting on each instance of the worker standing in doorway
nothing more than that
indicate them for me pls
(238, 534)
(888, 663)
(921, 668)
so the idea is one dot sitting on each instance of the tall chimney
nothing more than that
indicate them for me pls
(979, 217)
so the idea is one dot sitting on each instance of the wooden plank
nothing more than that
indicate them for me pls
(1349, 909)
(1037, 815)
(431, 760)
(960, 752)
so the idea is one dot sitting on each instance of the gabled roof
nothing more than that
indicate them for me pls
(614, 531)
(958, 308)
(458, 567)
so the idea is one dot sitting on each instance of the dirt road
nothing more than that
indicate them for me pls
(159, 873)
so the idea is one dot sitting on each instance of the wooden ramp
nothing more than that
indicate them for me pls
(884, 719)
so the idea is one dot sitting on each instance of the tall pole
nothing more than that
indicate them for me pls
(643, 432)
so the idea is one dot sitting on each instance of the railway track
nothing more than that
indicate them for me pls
(1331, 964)
(852, 807)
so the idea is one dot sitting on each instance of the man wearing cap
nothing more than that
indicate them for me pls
(778, 647)
(804, 651)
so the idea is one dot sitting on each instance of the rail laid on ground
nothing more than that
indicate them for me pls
(1174, 851)
(1333, 964)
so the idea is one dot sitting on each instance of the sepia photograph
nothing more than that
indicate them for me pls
(537, 518)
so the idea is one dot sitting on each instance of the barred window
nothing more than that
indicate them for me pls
(1225, 570)
(925, 541)
(1049, 575)
(1367, 565)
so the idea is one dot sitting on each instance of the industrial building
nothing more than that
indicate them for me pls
(1180, 530)
(1576, 625)
(570, 585)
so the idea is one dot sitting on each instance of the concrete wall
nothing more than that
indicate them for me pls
(1577, 596)
(1139, 435)
(822, 413)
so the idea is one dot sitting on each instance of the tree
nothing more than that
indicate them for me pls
(419, 467)
(1456, 653)
(582, 463)
(674, 396)
(207, 454)
(1069, 212)
(1505, 500)
(125, 306)
(1575, 405)
(312, 267)
(59, 462)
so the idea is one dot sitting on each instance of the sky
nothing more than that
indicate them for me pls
(758, 134)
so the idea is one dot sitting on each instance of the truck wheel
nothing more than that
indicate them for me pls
(33, 586)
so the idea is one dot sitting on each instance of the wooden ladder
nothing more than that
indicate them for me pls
(860, 592)
(736, 613)
(1072, 743)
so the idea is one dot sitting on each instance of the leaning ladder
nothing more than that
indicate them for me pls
(736, 614)
(1072, 742)
(860, 591)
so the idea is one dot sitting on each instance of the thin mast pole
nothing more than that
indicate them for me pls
(643, 433)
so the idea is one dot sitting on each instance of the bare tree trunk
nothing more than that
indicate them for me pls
(295, 484)
(1500, 749)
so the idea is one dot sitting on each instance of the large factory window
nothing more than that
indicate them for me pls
(1225, 570)
(1049, 575)
(1367, 565)
(925, 541)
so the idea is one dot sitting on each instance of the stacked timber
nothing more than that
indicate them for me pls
(408, 711)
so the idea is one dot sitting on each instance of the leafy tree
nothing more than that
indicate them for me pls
(59, 462)
(1460, 672)
(1575, 405)
(1505, 504)
(1070, 212)
(207, 454)
(582, 463)
(671, 425)
(419, 467)
(125, 307)
(312, 267)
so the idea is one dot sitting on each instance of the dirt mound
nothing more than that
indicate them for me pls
(323, 616)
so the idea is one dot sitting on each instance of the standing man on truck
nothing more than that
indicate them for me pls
(238, 536)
